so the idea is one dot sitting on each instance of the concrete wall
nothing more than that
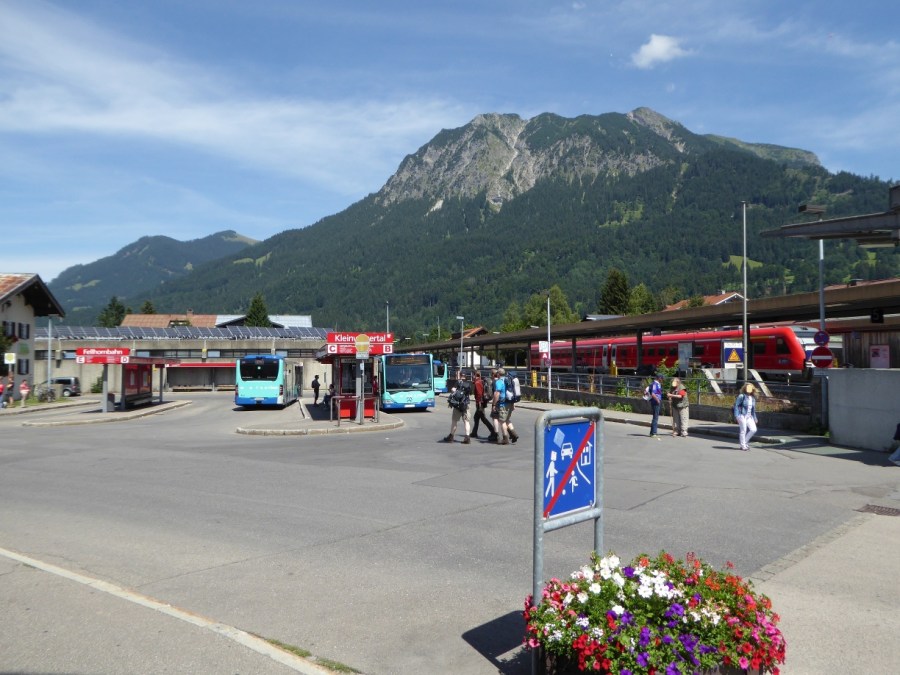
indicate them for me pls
(863, 407)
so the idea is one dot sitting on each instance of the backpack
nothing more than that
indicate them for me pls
(513, 388)
(459, 399)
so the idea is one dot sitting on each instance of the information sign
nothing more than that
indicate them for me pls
(9, 358)
(569, 467)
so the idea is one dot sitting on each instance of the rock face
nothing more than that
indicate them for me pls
(503, 156)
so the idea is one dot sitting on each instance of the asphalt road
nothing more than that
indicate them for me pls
(386, 551)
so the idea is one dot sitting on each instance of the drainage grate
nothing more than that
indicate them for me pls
(879, 510)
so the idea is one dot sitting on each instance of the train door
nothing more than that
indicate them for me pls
(685, 354)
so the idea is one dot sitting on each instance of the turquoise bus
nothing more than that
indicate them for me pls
(407, 381)
(440, 376)
(266, 380)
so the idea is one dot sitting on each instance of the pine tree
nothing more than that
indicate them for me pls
(615, 293)
(148, 308)
(258, 314)
(112, 315)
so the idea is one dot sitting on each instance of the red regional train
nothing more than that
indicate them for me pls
(776, 352)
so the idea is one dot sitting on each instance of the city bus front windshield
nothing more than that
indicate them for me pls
(408, 374)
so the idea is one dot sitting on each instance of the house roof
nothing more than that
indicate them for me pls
(719, 299)
(35, 291)
(209, 320)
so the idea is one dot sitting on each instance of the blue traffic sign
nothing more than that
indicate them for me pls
(569, 467)
(821, 338)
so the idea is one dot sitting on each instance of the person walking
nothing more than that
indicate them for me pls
(482, 398)
(745, 414)
(315, 388)
(678, 399)
(510, 406)
(503, 408)
(655, 391)
(459, 402)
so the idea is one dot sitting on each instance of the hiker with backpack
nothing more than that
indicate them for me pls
(504, 404)
(482, 398)
(459, 403)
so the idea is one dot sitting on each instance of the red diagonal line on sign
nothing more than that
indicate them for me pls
(572, 465)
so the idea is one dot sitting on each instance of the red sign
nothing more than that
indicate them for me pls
(822, 357)
(373, 344)
(102, 355)
(102, 351)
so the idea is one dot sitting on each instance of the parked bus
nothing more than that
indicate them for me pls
(266, 380)
(776, 352)
(441, 369)
(407, 381)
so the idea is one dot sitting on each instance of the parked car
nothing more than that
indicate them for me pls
(70, 385)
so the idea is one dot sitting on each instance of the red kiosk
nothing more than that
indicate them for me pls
(137, 373)
(353, 372)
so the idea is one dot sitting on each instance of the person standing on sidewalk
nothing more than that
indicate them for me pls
(655, 404)
(745, 415)
(678, 399)
(315, 388)
(481, 399)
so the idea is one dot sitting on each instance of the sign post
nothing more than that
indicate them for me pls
(568, 480)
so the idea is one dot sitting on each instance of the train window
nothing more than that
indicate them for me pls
(699, 350)
(673, 351)
(781, 347)
(759, 348)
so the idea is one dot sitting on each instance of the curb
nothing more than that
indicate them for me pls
(319, 432)
(119, 417)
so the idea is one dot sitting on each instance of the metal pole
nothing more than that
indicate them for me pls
(821, 283)
(462, 359)
(550, 355)
(387, 316)
(49, 350)
(744, 267)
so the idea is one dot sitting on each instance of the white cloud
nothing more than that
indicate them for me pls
(659, 49)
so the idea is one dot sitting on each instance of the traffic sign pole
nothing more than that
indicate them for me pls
(574, 441)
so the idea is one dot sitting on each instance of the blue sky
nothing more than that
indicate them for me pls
(187, 117)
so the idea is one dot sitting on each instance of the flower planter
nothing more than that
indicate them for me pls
(658, 614)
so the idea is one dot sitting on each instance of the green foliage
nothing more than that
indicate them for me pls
(642, 301)
(258, 314)
(147, 308)
(614, 295)
(112, 314)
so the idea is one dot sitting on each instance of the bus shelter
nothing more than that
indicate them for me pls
(354, 373)
(136, 372)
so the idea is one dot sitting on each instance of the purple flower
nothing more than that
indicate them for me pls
(689, 641)
(628, 572)
(672, 669)
(643, 659)
(644, 639)
(675, 611)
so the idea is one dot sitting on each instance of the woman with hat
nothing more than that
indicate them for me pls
(745, 414)
(678, 399)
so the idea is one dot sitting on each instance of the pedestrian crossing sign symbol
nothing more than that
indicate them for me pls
(734, 357)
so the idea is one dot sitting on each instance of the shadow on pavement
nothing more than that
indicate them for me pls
(498, 637)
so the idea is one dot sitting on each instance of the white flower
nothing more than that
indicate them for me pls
(569, 597)
(583, 622)
(582, 597)
(618, 610)
(595, 588)
(618, 579)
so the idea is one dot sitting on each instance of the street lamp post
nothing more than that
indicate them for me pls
(549, 354)
(461, 355)
(746, 332)
(387, 316)
(819, 210)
